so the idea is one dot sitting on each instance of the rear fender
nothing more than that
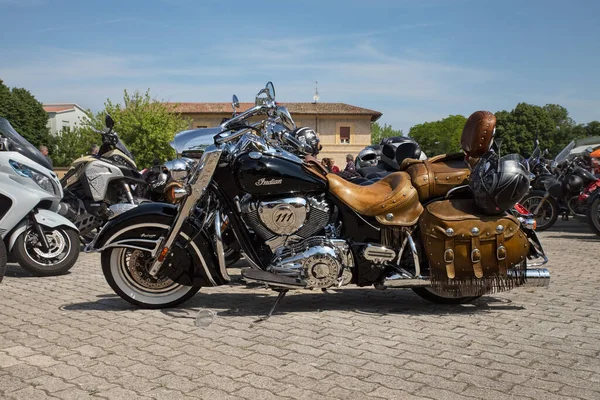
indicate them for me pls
(144, 227)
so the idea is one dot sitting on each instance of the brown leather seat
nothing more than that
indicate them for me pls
(435, 176)
(392, 200)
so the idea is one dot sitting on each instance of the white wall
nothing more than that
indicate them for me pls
(70, 119)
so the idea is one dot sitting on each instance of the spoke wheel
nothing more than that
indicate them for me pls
(548, 212)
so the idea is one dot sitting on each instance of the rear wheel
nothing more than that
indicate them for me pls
(62, 253)
(431, 295)
(548, 212)
(593, 215)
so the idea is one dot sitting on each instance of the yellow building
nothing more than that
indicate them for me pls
(342, 128)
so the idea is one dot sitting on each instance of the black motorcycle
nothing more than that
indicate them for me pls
(298, 227)
(561, 192)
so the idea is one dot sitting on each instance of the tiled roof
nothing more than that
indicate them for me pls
(58, 107)
(293, 108)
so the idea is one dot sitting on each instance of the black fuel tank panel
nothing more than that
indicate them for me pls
(272, 175)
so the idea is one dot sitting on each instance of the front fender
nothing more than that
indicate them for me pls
(143, 227)
(43, 217)
(150, 212)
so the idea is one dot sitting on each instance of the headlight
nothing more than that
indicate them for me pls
(40, 179)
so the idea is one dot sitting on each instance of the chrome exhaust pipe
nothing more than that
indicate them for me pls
(534, 277)
(537, 277)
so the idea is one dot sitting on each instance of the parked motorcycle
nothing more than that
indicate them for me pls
(564, 192)
(302, 228)
(42, 242)
(165, 180)
(100, 187)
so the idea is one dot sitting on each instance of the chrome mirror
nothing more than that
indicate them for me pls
(286, 118)
(270, 90)
(235, 103)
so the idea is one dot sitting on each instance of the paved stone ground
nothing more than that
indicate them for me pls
(70, 337)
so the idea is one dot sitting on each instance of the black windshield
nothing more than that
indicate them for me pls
(124, 149)
(19, 144)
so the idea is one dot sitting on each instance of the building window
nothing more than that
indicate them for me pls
(344, 134)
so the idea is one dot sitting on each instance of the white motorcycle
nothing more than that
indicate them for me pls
(40, 240)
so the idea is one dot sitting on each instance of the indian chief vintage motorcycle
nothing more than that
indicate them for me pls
(302, 228)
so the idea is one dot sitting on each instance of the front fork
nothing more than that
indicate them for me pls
(39, 231)
(196, 187)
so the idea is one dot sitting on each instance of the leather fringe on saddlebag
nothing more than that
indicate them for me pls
(471, 253)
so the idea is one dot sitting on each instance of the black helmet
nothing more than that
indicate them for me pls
(369, 156)
(398, 148)
(573, 184)
(408, 149)
(499, 183)
(306, 135)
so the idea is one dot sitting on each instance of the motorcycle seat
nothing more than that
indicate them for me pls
(392, 200)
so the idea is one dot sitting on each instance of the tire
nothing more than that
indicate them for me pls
(63, 241)
(430, 295)
(120, 278)
(593, 215)
(132, 282)
(3, 259)
(548, 213)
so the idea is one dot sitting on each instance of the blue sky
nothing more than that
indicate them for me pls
(413, 60)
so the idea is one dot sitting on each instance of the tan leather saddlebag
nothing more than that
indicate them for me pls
(470, 250)
(434, 177)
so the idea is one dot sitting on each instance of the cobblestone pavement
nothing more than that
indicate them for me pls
(70, 337)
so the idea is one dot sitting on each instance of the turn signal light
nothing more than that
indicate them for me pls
(163, 254)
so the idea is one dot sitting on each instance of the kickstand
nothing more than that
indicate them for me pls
(280, 296)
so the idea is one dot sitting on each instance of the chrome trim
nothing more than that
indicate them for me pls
(198, 182)
(123, 243)
(413, 249)
(378, 254)
(285, 216)
(219, 245)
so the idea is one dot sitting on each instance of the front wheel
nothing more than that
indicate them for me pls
(593, 215)
(431, 295)
(548, 212)
(62, 253)
(126, 271)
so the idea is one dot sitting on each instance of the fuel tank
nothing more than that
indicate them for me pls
(264, 174)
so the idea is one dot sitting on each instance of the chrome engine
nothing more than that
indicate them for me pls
(319, 262)
(285, 221)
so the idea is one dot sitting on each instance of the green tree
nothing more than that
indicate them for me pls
(586, 130)
(25, 114)
(145, 126)
(71, 144)
(439, 137)
(379, 132)
(519, 128)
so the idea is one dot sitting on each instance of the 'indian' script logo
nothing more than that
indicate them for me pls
(266, 182)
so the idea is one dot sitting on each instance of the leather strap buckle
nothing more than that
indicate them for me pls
(501, 253)
(475, 256)
(449, 256)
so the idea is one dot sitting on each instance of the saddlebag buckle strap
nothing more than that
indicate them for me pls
(449, 257)
(476, 257)
(501, 254)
